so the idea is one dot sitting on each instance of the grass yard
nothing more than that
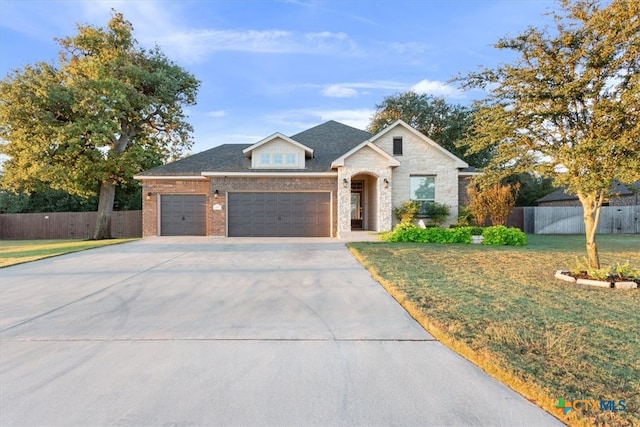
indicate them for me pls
(502, 308)
(18, 251)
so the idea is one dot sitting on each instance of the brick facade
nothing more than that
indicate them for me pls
(267, 184)
(463, 183)
(216, 218)
(153, 189)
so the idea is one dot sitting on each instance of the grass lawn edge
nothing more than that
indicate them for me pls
(483, 360)
(71, 250)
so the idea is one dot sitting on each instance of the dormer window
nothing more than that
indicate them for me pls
(278, 152)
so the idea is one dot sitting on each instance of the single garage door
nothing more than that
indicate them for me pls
(279, 214)
(182, 215)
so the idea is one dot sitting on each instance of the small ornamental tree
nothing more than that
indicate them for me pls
(568, 107)
(100, 116)
(494, 202)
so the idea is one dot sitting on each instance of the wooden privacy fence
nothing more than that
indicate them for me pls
(67, 225)
(569, 220)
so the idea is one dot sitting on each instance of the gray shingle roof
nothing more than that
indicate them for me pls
(329, 141)
(617, 189)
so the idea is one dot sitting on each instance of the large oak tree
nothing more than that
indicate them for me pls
(569, 107)
(95, 119)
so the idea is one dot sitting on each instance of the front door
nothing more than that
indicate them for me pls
(357, 188)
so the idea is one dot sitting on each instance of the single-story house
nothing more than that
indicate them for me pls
(323, 182)
(620, 195)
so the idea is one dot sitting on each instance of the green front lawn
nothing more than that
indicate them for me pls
(502, 308)
(18, 251)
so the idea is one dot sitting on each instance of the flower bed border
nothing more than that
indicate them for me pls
(565, 276)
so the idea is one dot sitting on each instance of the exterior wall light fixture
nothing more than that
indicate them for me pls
(386, 183)
(345, 183)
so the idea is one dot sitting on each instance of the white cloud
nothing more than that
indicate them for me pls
(195, 45)
(358, 118)
(350, 90)
(437, 88)
(294, 121)
(339, 91)
(215, 113)
(412, 48)
(330, 41)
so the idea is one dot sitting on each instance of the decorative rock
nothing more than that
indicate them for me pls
(589, 282)
(563, 276)
(477, 240)
(626, 285)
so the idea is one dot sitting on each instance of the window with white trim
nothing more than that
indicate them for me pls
(278, 160)
(423, 191)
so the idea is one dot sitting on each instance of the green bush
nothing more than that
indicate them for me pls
(500, 235)
(477, 231)
(407, 211)
(407, 232)
(465, 216)
(436, 212)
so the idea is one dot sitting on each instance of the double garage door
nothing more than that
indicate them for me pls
(279, 214)
(251, 215)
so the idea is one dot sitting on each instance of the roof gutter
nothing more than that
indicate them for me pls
(180, 177)
(273, 174)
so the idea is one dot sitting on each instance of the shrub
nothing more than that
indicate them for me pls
(495, 202)
(615, 272)
(436, 212)
(477, 231)
(407, 212)
(500, 235)
(625, 271)
(465, 216)
(407, 232)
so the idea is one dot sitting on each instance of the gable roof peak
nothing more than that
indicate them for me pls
(458, 161)
(308, 151)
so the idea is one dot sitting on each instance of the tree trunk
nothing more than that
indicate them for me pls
(591, 204)
(105, 209)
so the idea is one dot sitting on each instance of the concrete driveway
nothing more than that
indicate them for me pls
(203, 331)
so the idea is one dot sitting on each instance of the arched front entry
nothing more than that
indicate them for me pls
(364, 202)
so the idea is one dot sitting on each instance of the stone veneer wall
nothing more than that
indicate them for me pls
(419, 158)
(368, 162)
(151, 207)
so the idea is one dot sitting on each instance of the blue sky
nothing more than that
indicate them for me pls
(284, 66)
